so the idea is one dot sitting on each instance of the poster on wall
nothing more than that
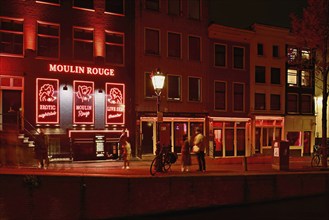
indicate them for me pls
(83, 102)
(115, 103)
(47, 101)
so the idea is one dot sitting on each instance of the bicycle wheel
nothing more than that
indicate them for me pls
(315, 162)
(166, 163)
(153, 167)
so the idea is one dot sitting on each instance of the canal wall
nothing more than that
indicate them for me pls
(94, 197)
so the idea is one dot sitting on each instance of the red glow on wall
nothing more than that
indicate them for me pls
(115, 103)
(47, 101)
(83, 102)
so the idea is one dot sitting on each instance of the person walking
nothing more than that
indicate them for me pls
(185, 152)
(126, 155)
(198, 141)
(41, 150)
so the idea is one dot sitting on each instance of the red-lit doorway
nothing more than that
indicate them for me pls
(147, 137)
(307, 143)
(11, 105)
(165, 134)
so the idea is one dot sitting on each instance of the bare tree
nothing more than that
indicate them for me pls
(312, 31)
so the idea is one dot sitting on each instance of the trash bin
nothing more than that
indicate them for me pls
(280, 155)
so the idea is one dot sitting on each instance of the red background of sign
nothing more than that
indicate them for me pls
(48, 99)
(87, 102)
(115, 103)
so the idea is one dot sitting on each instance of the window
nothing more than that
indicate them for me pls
(194, 9)
(152, 42)
(238, 57)
(149, 89)
(174, 87)
(260, 74)
(194, 48)
(152, 5)
(174, 7)
(292, 77)
(260, 101)
(292, 55)
(306, 107)
(48, 1)
(260, 50)
(306, 80)
(238, 102)
(294, 138)
(174, 45)
(275, 51)
(275, 75)
(220, 55)
(220, 96)
(87, 4)
(194, 89)
(114, 44)
(292, 103)
(114, 6)
(83, 43)
(48, 40)
(275, 102)
(306, 55)
(11, 36)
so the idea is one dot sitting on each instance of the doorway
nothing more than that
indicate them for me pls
(11, 106)
(147, 137)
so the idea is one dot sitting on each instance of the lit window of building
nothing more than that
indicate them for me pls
(292, 77)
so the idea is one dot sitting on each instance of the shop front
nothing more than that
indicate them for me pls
(82, 108)
(229, 137)
(171, 131)
(265, 129)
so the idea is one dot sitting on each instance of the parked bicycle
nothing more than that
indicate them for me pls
(162, 162)
(317, 156)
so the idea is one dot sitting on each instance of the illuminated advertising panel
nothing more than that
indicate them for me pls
(47, 101)
(115, 103)
(83, 102)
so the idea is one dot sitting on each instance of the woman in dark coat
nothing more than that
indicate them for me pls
(186, 156)
(41, 150)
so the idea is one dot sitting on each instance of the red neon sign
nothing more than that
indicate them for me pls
(115, 103)
(83, 102)
(59, 68)
(47, 101)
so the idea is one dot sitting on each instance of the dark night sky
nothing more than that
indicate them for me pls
(243, 13)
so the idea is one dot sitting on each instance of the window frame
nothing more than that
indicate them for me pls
(48, 36)
(260, 49)
(179, 89)
(259, 104)
(122, 45)
(84, 41)
(234, 57)
(310, 102)
(257, 72)
(225, 54)
(170, 44)
(82, 8)
(115, 13)
(148, 86)
(296, 104)
(190, 6)
(179, 13)
(292, 75)
(150, 7)
(189, 48)
(273, 104)
(274, 78)
(199, 99)
(275, 51)
(14, 33)
(234, 95)
(225, 94)
(146, 41)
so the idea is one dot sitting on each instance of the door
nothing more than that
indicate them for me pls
(165, 134)
(11, 105)
(147, 137)
(218, 142)
(307, 143)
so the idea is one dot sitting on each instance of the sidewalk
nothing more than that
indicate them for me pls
(138, 167)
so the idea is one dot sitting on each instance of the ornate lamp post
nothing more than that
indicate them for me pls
(158, 79)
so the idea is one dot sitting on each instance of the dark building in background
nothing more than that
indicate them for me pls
(68, 67)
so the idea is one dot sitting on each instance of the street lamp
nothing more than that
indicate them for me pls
(158, 79)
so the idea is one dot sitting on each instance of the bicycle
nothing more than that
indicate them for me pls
(162, 162)
(317, 156)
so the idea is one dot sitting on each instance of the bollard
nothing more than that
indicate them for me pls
(245, 164)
